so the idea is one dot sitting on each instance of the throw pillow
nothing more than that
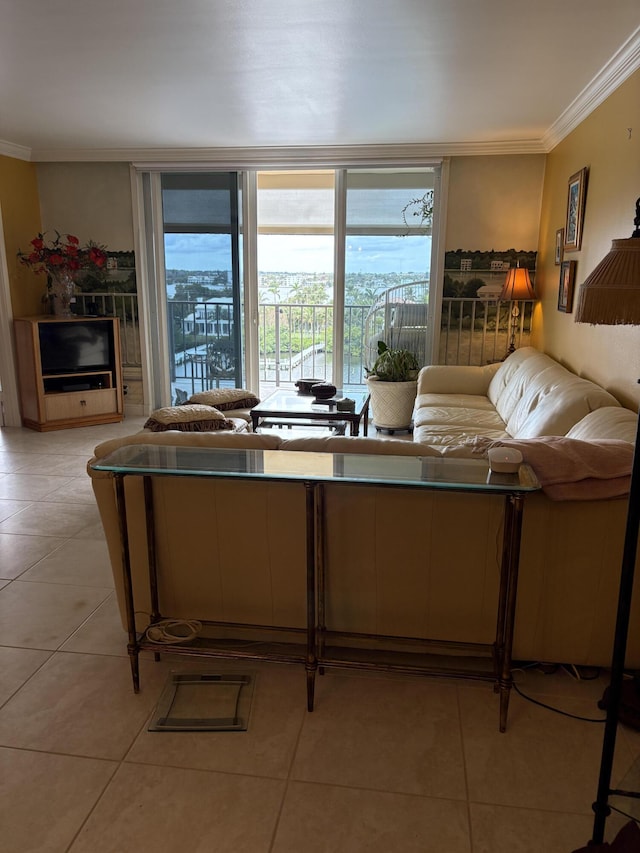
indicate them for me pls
(188, 418)
(226, 399)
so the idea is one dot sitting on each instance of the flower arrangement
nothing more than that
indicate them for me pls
(61, 259)
(63, 256)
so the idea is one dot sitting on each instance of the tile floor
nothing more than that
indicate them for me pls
(385, 763)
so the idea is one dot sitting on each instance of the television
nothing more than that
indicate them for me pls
(76, 346)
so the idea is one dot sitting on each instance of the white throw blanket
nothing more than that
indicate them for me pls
(572, 470)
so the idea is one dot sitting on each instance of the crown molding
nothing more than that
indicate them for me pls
(621, 66)
(264, 157)
(18, 152)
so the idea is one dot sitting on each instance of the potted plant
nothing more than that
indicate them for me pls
(392, 383)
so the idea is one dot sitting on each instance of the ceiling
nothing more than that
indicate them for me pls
(116, 79)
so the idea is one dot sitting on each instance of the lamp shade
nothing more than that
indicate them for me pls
(611, 294)
(517, 286)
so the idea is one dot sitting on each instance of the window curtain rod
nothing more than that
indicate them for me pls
(339, 157)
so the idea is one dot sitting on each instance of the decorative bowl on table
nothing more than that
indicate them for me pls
(304, 385)
(323, 390)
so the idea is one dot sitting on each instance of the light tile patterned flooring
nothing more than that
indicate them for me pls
(385, 763)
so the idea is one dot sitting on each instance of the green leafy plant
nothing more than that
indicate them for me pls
(393, 365)
(422, 208)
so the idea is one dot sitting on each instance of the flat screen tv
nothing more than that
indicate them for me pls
(76, 346)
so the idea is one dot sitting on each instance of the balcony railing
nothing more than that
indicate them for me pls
(297, 339)
(478, 331)
(124, 306)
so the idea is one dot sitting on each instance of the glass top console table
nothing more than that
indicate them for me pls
(314, 471)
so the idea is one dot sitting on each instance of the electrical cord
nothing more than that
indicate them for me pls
(173, 631)
(556, 710)
(573, 672)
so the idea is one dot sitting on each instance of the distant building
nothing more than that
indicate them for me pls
(219, 277)
(214, 318)
(465, 264)
(489, 292)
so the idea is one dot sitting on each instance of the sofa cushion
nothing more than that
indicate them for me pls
(464, 401)
(221, 438)
(468, 380)
(606, 422)
(515, 376)
(444, 435)
(188, 418)
(553, 402)
(459, 416)
(353, 444)
(226, 399)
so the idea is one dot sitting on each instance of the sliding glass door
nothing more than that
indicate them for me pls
(387, 264)
(344, 259)
(259, 278)
(295, 262)
(202, 281)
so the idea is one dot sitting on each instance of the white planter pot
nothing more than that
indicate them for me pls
(392, 403)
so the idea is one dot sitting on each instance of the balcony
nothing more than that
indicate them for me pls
(296, 340)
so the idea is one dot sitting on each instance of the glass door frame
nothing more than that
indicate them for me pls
(149, 244)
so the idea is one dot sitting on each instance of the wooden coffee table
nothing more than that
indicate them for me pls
(291, 408)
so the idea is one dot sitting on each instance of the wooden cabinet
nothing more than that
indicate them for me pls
(69, 371)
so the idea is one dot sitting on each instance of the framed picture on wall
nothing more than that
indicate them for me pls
(576, 197)
(559, 244)
(565, 290)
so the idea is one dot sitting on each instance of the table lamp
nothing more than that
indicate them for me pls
(516, 288)
(609, 296)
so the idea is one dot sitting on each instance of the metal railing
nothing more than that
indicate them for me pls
(124, 306)
(399, 318)
(296, 340)
(478, 331)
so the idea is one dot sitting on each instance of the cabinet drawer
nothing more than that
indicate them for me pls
(80, 404)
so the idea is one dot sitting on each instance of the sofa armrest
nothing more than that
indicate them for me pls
(456, 379)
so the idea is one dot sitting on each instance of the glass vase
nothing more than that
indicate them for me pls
(62, 290)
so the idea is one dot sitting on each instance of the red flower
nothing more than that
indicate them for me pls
(63, 253)
(97, 256)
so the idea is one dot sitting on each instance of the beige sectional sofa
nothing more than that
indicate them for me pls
(527, 396)
(404, 562)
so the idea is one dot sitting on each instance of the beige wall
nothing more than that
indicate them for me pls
(610, 355)
(21, 221)
(90, 200)
(494, 202)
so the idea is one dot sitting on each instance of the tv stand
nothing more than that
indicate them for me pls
(69, 392)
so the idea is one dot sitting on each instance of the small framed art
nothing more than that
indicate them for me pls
(565, 290)
(576, 197)
(559, 244)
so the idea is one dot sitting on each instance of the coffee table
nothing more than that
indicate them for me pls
(287, 407)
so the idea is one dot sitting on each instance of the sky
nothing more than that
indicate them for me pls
(301, 253)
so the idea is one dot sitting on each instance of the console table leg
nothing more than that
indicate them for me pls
(311, 664)
(311, 683)
(505, 692)
(135, 669)
(507, 607)
(132, 645)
